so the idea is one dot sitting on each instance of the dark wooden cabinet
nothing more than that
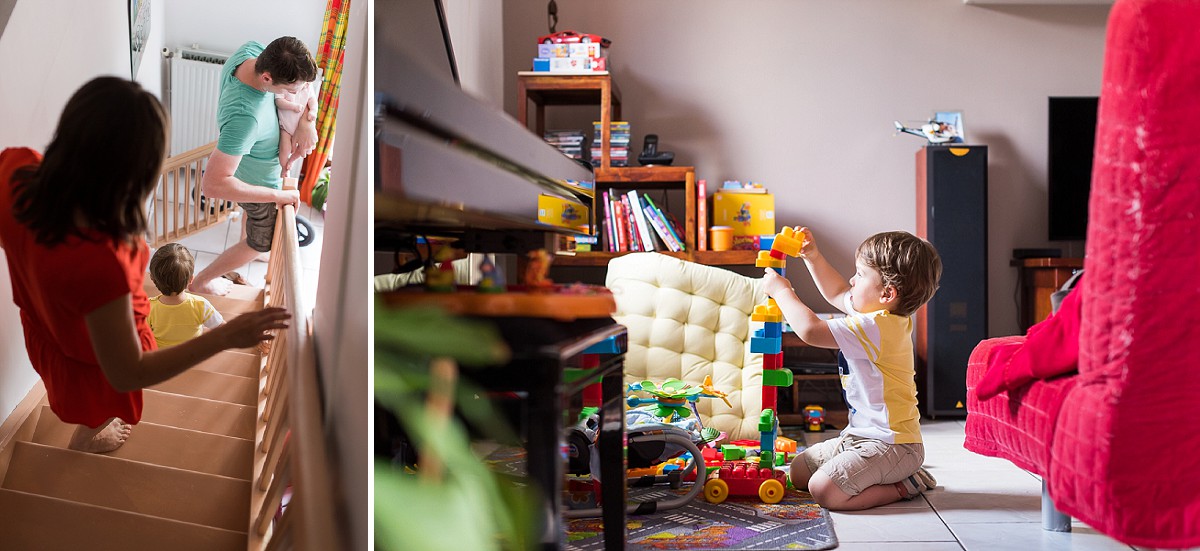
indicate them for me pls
(1038, 279)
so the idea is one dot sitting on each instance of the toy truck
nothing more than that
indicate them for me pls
(745, 478)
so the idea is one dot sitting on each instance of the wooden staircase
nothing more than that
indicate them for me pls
(182, 481)
(209, 467)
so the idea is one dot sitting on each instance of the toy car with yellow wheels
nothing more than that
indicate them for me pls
(745, 478)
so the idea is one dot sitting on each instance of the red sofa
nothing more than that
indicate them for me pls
(1118, 441)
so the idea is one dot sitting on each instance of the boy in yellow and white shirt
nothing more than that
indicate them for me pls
(877, 459)
(176, 315)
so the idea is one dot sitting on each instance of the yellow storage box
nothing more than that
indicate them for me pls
(565, 213)
(746, 213)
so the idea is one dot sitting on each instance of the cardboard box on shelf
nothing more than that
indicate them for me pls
(557, 211)
(747, 213)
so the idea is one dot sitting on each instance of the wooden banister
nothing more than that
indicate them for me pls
(175, 210)
(290, 450)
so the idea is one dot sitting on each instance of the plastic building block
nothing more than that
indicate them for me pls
(744, 478)
(767, 312)
(611, 345)
(765, 241)
(765, 260)
(733, 453)
(766, 420)
(777, 377)
(772, 329)
(773, 361)
(789, 241)
(770, 400)
(767, 440)
(777, 254)
(785, 444)
(765, 345)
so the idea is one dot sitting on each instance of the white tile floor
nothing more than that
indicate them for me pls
(981, 503)
(210, 243)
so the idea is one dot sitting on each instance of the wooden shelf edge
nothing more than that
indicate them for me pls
(634, 174)
(711, 258)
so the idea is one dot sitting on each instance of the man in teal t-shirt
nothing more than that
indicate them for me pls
(245, 165)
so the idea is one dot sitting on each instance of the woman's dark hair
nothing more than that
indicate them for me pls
(288, 60)
(105, 158)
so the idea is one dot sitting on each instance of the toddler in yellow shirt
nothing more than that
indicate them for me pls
(177, 315)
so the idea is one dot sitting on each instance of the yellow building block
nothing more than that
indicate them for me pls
(788, 241)
(765, 260)
(766, 312)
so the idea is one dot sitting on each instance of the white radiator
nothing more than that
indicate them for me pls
(191, 96)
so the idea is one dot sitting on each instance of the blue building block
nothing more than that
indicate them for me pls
(770, 329)
(616, 344)
(765, 345)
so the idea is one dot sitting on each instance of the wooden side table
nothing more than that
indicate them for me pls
(1039, 278)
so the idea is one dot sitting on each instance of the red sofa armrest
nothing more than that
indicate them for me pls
(1015, 425)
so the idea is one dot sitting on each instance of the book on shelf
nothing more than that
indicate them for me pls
(631, 228)
(644, 232)
(660, 228)
(701, 215)
(607, 223)
(668, 232)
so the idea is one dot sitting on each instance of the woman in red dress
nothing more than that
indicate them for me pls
(71, 225)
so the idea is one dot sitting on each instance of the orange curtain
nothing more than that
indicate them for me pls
(330, 53)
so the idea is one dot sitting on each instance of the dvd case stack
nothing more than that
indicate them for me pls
(569, 142)
(618, 152)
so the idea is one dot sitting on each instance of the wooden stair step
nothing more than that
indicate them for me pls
(189, 412)
(233, 362)
(34, 522)
(162, 445)
(236, 292)
(233, 307)
(124, 485)
(212, 386)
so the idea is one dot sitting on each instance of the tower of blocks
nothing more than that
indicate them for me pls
(769, 340)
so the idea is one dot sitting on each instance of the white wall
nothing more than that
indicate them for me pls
(223, 25)
(477, 41)
(47, 51)
(340, 319)
(150, 72)
(801, 95)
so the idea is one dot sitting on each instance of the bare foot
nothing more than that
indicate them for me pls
(219, 287)
(105, 438)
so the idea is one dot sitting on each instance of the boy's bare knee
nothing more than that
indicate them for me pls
(799, 474)
(826, 492)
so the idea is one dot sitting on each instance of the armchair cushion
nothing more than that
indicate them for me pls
(687, 321)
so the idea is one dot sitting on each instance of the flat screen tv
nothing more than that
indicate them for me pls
(1072, 139)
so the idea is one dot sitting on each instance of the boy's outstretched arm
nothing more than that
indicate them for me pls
(831, 283)
(804, 322)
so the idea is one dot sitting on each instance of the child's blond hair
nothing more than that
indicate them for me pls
(907, 263)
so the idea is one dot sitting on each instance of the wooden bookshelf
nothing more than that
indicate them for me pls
(654, 177)
(544, 90)
(711, 258)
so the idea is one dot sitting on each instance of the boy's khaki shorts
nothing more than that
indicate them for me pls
(855, 463)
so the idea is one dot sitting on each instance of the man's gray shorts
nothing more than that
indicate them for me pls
(260, 225)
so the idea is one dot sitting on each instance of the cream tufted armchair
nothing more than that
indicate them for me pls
(688, 321)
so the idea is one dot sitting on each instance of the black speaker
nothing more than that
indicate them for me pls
(952, 214)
